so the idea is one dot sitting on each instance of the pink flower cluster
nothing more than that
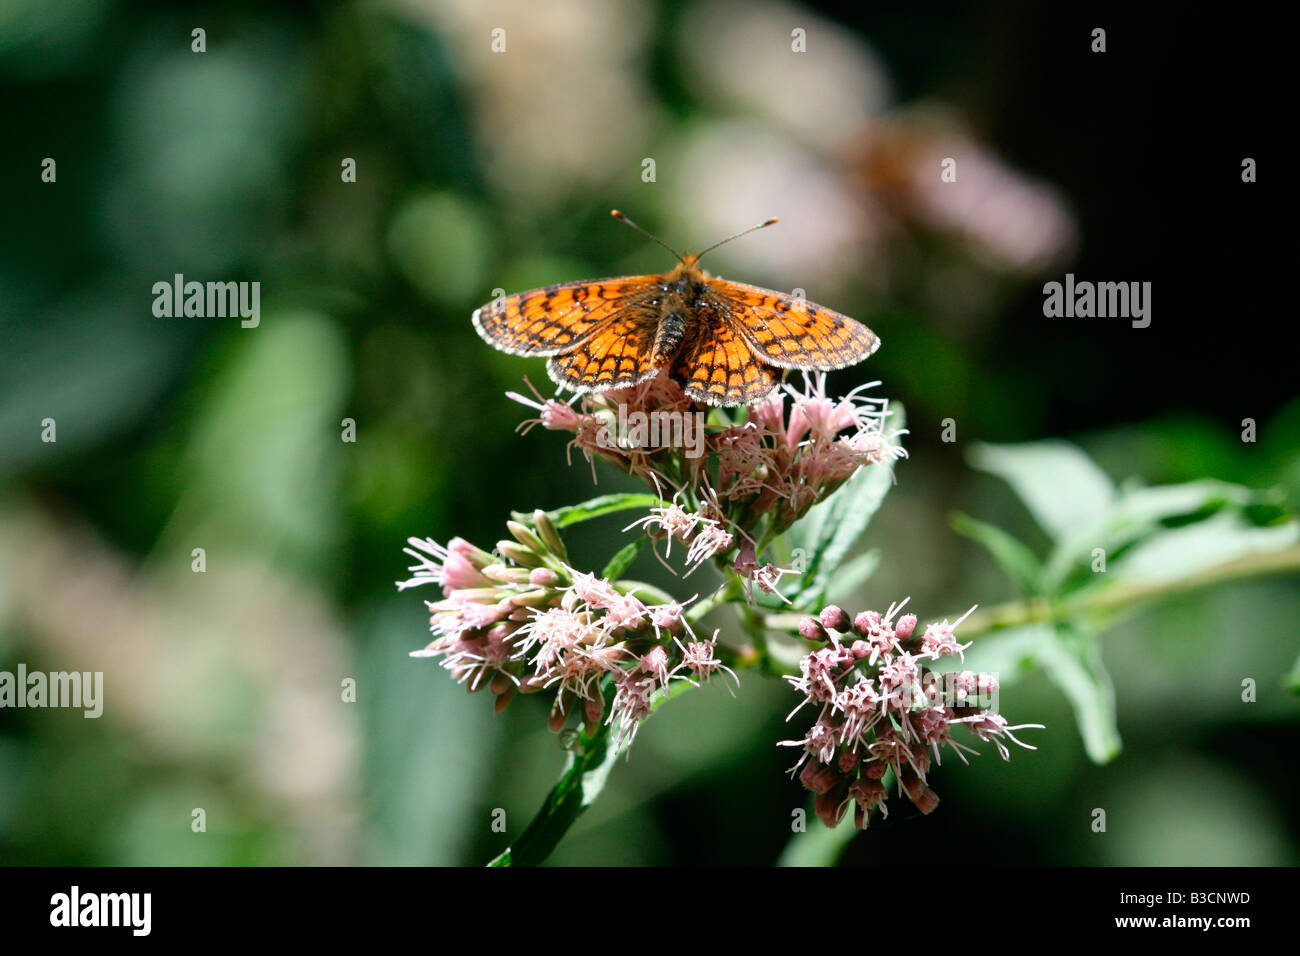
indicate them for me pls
(762, 469)
(524, 621)
(880, 708)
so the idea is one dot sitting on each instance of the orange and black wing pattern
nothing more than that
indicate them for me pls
(718, 366)
(616, 354)
(788, 332)
(558, 318)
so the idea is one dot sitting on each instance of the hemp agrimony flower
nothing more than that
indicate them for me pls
(606, 652)
(762, 468)
(523, 621)
(881, 710)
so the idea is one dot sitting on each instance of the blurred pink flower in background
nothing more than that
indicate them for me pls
(1004, 218)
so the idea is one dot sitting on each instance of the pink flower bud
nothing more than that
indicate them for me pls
(905, 626)
(667, 616)
(818, 777)
(811, 629)
(655, 660)
(860, 649)
(874, 770)
(474, 555)
(557, 718)
(922, 797)
(867, 622)
(746, 561)
(505, 574)
(537, 598)
(558, 416)
(867, 792)
(542, 577)
(830, 806)
(834, 618)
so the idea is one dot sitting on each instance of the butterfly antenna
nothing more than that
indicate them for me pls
(622, 218)
(762, 225)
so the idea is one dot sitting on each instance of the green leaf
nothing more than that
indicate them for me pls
(1142, 512)
(1014, 558)
(1140, 504)
(621, 561)
(595, 508)
(818, 844)
(853, 573)
(1010, 653)
(579, 785)
(1182, 552)
(831, 527)
(1059, 484)
(1072, 659)
(1292, 680)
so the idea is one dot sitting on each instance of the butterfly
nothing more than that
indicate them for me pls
(725, 343)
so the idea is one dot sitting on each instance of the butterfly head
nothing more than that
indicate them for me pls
(687, 267)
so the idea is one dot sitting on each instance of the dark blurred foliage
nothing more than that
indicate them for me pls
(223, 688)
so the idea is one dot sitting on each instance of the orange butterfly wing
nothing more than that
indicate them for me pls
(558, 318)
(616, 355)
(600, 335)
(718, 366)
(789, 332)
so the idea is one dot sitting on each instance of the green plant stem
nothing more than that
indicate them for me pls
(641, 589)
(580, 783)
(586, 768)
(1120, 598)
(725, 594)
(700, 609)
(754, 624)
(1113, 599)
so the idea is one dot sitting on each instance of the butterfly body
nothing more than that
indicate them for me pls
(724, 342)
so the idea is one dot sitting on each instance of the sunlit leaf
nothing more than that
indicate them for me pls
(596, 507)
(1181, 552)
(818, 845)
(1072, 659)
(1059, 484)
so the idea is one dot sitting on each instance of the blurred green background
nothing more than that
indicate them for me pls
(479, 170)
